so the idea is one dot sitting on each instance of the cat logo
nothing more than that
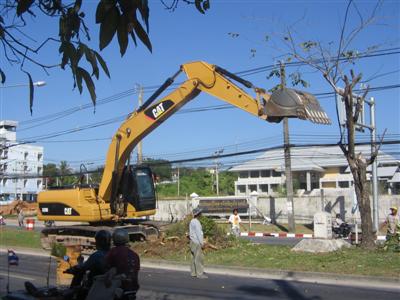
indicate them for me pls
(156, 111)
(68, 211)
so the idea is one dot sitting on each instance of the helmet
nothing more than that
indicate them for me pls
(103, 240)
(120, 237)
(394, 208)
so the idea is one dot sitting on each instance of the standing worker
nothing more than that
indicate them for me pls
(20, 217)
(196, 245)
(393, 228)
(235, 221)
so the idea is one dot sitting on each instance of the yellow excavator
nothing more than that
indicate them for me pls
(126, 193)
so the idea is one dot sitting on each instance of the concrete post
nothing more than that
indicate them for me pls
(308, 178)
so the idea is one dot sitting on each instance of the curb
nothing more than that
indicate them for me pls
(289, 235)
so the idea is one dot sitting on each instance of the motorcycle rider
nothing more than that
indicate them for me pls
(126, 262)
(94, 265)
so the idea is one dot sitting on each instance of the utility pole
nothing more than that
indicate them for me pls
(217, 153)
(375, 206)
(179, 183)
(288, 163)
(139, 145)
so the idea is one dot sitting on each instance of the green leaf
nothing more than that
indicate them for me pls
(108, 27)
(23, 6)
(31, 91)
(79, 79)
(133, 37)
(89, 84)
(102, 9)
(143, 7)
(197, 3)
(3, 76)
(90, 57)
(206, 4)
(77, 5)
(102, 63)
(122, 33)
(142, 35)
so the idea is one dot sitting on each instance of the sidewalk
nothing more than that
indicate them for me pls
(274, 274)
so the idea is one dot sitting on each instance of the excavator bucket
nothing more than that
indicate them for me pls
(295, 104)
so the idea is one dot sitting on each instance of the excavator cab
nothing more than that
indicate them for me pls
(137, 188)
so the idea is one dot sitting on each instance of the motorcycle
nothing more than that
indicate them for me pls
(342, 231)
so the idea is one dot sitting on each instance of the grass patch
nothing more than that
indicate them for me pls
(353, 261)
(19, 237)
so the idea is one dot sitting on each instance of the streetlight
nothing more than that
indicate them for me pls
(37, 83)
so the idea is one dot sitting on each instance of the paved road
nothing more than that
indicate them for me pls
(167, 284)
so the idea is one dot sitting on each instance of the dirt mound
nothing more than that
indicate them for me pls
(29, 209)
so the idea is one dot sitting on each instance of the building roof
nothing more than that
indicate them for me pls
(315, 158)
(395, 178)
(8, 123)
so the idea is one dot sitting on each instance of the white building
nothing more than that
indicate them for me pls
(21, 165)
(312, 168)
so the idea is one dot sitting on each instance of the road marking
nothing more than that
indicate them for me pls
(17, 276)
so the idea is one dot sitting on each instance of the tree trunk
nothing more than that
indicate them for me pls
(359, 170)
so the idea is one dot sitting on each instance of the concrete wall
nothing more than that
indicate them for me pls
(275, 208)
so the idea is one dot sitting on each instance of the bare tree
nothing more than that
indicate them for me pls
(334, 66)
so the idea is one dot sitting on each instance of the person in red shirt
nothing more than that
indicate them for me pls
(126, 262)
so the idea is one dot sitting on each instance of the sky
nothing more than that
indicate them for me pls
(232, 34)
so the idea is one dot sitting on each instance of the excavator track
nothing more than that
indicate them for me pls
(83, 235)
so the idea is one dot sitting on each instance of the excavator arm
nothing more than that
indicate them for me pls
(202, 77)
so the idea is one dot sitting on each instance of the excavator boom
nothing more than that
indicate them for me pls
(213, 80)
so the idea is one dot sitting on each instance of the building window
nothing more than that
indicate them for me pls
(4, 182)
(241, 189)
(264, 188)
(276, 173)
(274, 187)
(343, 184)
(243, 174)
(252, 188)
(26, 155)
(254, 174)
(39, 157)
(39, 170)
(25, 182)
(265, 173)
(39, 184)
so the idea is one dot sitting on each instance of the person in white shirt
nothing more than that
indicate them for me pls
(235, 221)
(196, 245)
